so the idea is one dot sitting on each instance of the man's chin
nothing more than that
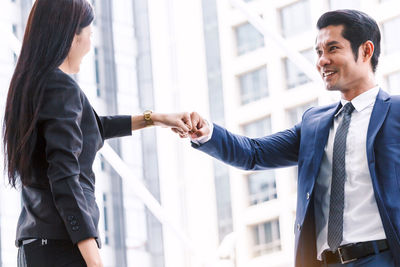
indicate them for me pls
(331, 87)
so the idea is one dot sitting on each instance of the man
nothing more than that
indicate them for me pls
(348, 153)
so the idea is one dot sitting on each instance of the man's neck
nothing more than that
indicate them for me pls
(351, 93)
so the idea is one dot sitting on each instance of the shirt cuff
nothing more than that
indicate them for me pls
(201, 140)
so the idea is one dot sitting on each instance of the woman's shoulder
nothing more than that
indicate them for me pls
(60, 81)
(58, 78)
(60, 86)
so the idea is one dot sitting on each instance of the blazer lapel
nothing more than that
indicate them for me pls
(378, 116)
(321, 136)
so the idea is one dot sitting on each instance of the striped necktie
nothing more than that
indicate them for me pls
(336, 206)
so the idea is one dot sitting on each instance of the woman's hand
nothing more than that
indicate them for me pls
(178, 122)
(90, 252)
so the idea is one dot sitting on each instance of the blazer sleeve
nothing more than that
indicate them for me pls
(276, 150)
(116, 126)
(60, 117)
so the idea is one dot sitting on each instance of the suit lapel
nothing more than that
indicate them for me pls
(321, 136)
(378, 116)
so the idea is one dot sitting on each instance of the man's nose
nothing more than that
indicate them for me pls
(323, 60)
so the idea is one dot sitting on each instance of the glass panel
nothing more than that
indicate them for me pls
(258, 128)
(266, 238)
(391, 36)
(294, 76)
(248, 38)
(296, 18)
(97, 71)
(262, 187)
(253, 85)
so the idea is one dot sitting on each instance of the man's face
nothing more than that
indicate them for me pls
(336, 62)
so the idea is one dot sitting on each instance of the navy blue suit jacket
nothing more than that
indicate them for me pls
(303, 145)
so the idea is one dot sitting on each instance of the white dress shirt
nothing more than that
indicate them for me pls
(361, 219)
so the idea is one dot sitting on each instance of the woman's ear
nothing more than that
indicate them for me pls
(76, 40)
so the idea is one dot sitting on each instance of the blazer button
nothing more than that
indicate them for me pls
(73, 222)
(308, 196)
(70, 218)
(75, 228)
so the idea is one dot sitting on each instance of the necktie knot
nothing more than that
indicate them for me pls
(348, 108)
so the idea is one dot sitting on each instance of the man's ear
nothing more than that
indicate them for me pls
(367, 50)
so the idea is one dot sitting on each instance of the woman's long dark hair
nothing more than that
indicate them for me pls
(50, 29)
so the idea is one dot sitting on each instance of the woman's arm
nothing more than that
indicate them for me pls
(181, 122)
(118, 126)
(90, 252)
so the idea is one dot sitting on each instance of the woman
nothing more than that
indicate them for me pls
(51, 136)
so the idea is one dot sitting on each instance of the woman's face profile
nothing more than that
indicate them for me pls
(80, 47)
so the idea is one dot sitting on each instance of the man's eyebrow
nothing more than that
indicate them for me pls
(327, 44)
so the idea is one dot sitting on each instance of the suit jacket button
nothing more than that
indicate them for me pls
(308, 196)
(75, 228)
(73, 222)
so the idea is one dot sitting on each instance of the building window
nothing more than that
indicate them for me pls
(295, 114)
(266, 238)
(15, 32)
(97, 71)
(391, 38)
(253, 85)
(262, 187)
(393, 82)
(296, 18)
(348, 4)
(248, 38)
(294, 76)
(106, 228)
(258, 128)
(102, 163)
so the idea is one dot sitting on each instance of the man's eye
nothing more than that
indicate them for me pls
(333, 48)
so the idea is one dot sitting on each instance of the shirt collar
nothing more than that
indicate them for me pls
(361, 101)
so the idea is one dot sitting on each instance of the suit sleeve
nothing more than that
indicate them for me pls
(60, 116)
(116, 126)
(277, 150)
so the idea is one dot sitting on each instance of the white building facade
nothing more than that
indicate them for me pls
(178, 55)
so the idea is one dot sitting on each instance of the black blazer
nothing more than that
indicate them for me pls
(60, 203)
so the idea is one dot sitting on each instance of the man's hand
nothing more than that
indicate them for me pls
(200, 126)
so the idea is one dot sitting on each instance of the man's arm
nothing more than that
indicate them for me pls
(277, 150)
